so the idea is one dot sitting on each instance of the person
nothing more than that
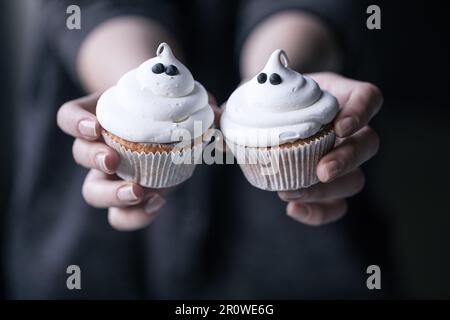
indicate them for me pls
(215, 236)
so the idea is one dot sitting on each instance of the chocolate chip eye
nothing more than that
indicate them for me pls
(171, 70)
(158, 68)
(262, 77)
(275, 79)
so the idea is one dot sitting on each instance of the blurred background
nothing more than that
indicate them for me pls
(408, 181)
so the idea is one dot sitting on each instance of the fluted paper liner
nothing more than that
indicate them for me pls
(154, 170)
(283, 168)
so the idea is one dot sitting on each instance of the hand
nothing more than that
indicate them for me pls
(130, 206)
(339, 170)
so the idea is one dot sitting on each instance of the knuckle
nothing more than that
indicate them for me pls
(65, 107)
(359, 182)
(369, 89)
(326, 74)
(374, 138)
(350, 156)
(343, 207)
(85, 192)
(372, 92)
(115, 219)
(62, 114)
(59, 116)
(121, 220)
(317, 216)
(75, 152)
(321, 216)
(68, 105)
(316, 219)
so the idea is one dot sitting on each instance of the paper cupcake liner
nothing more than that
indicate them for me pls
(155, 170)
(282, 169)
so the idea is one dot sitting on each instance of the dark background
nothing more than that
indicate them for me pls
(408, 181)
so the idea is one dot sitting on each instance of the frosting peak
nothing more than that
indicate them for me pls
(165, 75)
(276, 106)
(284, 88)
(156, 102)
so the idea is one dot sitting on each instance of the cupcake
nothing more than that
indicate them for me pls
(278, 125)
(156, 117)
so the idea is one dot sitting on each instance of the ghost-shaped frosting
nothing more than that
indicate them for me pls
(277, 106)
(158, 102)
(168, 76)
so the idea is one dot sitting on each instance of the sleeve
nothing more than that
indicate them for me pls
(345, 19)
(65, 43)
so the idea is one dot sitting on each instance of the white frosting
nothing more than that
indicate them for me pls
(155, 108)
(265, 114)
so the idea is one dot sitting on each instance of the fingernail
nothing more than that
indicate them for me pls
(126, 193)
(88, 128)
(346, 126)
(331, 169)
(100, 161)
(154, 204)
(294, 195)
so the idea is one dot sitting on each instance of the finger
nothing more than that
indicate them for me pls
(211, 99)
(217, 114)
(77, 118)
(95, 155)
(343, 187)
(316, 214)
(217, 111)
(363, 104)
(359, 101)
(101, 191)
(348, 155)
(136, 217)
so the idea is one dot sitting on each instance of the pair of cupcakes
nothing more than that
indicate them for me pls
(278, 124)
